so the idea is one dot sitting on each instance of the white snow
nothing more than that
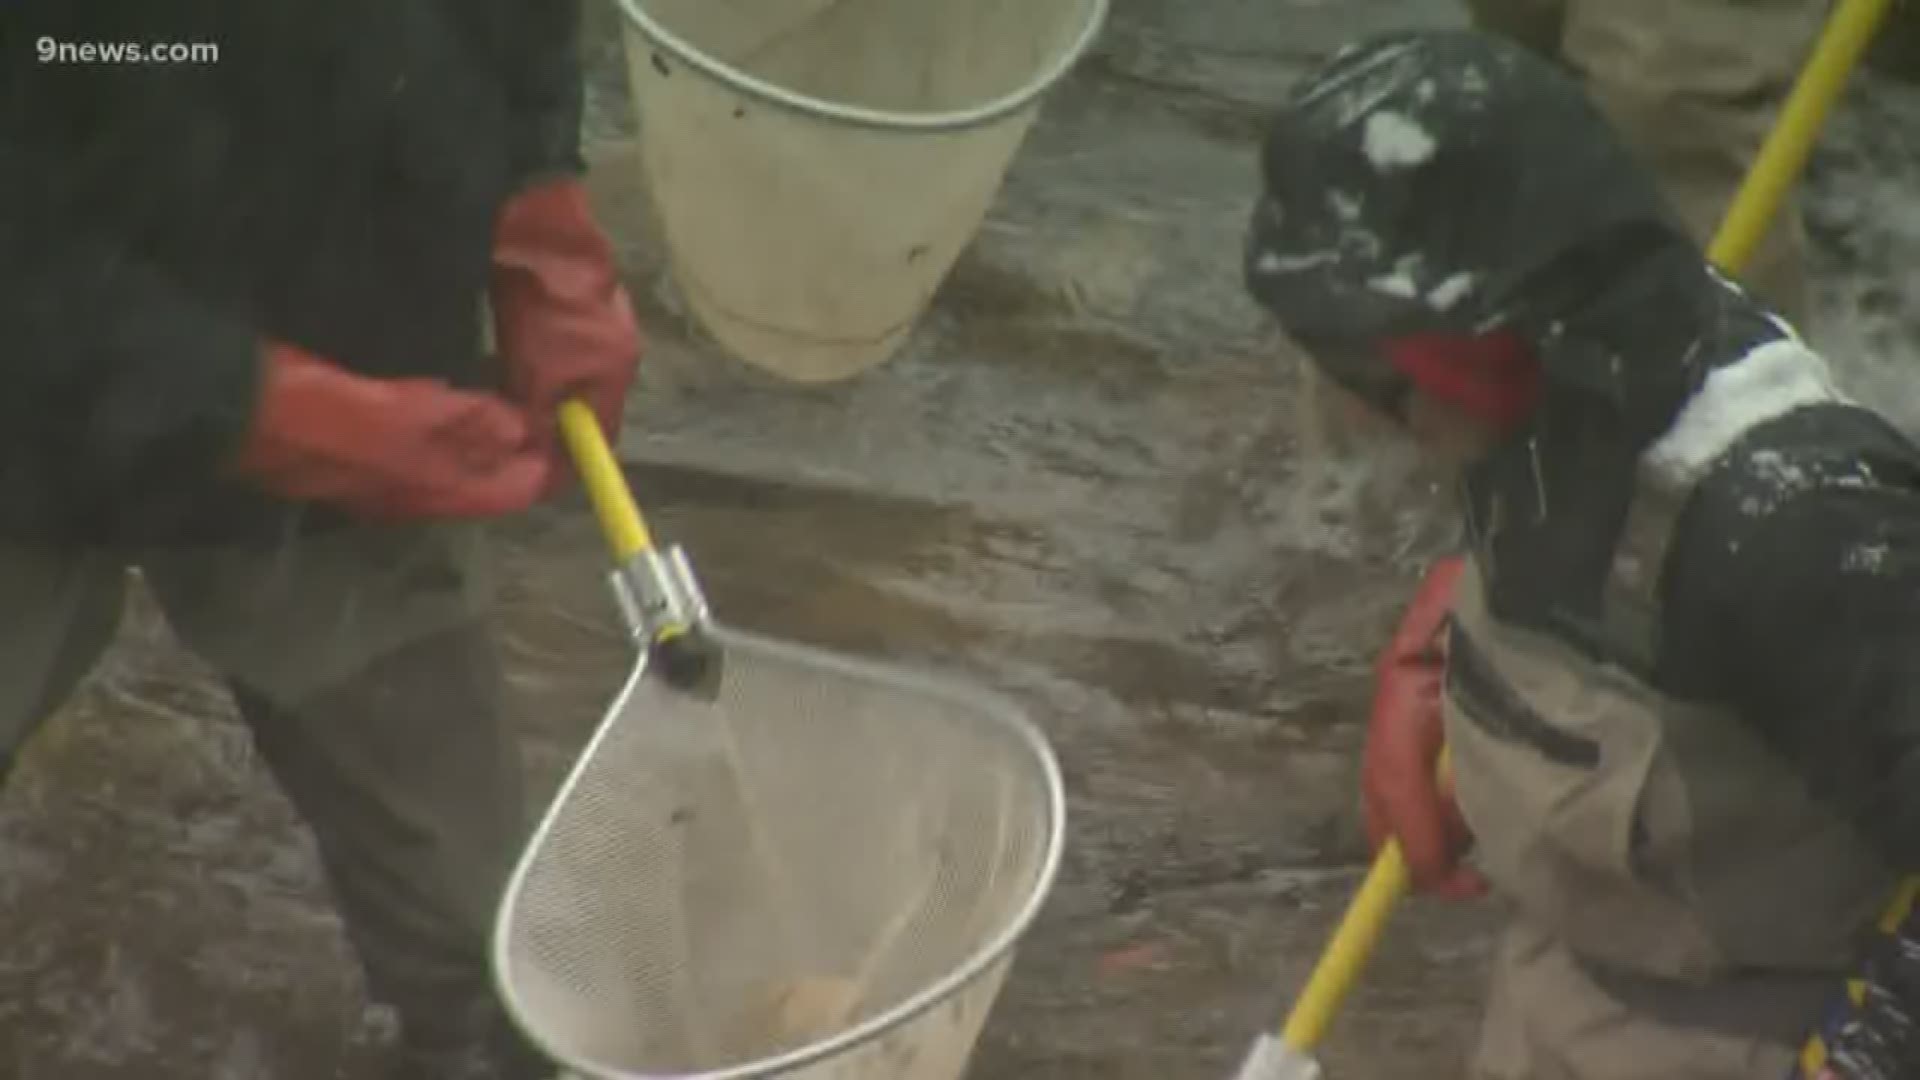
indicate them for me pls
(1773, 467)
(1399, 283)
(1271, 262)
(1447, 294)
(1780, 479)
(1344, 205)
(1772, 380)
(1864, 558)
(1393, 141)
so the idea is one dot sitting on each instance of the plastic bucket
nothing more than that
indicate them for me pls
(816, 166)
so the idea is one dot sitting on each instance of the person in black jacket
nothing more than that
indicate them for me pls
(241, 295)
(1676, 667)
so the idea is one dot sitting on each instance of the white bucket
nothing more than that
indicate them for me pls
(816, 166)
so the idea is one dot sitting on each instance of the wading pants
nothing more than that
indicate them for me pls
(360, 662)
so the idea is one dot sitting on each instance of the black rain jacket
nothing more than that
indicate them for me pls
(328, 177)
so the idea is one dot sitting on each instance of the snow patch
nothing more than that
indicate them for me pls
(1776, 479)
(1770, 381)
(1399, 284)
(1345, 206)
(1271, 262)
(1404, 281)
(1864, 558)
(1395, 142)
(1773, 469)
(1446, 295)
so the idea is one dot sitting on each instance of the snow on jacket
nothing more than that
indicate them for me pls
(1445, 182)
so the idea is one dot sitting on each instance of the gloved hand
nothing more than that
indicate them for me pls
(380, 448)
(1403, 797)
(1877, 1039)
(562, 319)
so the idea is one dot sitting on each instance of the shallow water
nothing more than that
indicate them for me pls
(1081, 484)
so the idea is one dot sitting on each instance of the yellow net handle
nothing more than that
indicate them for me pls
(1846, 37)
(1353, 941)
(620, 520)
(1781, 158)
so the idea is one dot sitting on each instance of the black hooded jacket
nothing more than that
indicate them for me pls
(328, 176)
(1447, 181)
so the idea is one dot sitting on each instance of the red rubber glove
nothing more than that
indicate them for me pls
(1404, 799)
(562, 319)
(393, 449)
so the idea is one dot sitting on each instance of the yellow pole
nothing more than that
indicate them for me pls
(1347, 952)
(620, 520)
(625, 530)
(1778, 165)
(1848, 33)
(1353, 942)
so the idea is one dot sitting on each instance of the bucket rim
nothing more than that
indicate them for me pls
(887, 120)
(992, 706)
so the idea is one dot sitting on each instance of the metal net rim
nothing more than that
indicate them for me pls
(1093, 13)
(989, 706)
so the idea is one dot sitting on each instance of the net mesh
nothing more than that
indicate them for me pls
(726, 882)
(802, 243)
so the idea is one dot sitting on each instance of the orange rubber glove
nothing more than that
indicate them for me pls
(1405, 734)
(562, 319)
(387, 448)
